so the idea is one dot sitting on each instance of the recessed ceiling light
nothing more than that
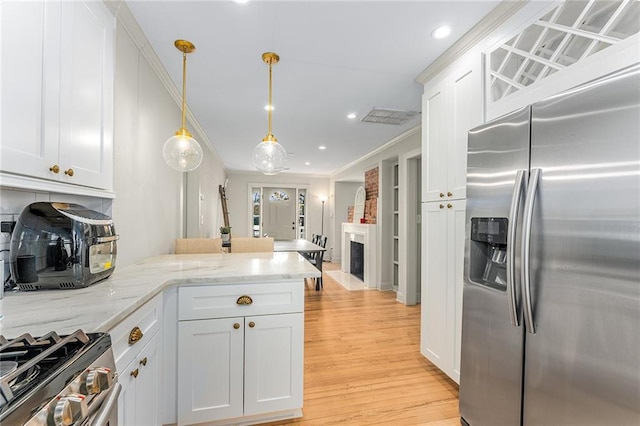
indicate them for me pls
(241, 1)
(441, 32)
(351, 116)
(322, 147)
(268, 107)
(307, 163)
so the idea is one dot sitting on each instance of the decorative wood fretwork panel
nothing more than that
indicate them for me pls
(565, 35)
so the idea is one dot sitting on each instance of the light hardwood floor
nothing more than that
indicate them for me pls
(362, 362)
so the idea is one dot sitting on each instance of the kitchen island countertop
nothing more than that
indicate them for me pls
(103, 305)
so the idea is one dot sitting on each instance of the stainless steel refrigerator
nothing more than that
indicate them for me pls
(551, 300)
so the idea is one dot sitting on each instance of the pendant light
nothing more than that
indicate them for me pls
(269, 156)
(182, 152)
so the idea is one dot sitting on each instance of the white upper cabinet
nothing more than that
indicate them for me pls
(451, 106)
(57, 92)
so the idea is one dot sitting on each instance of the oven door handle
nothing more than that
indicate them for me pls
(107, 239)
(103, 416)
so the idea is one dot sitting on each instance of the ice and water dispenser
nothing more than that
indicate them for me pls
(488, 254)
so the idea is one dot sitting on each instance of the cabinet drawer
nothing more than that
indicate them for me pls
(220, 301)
(148, 318)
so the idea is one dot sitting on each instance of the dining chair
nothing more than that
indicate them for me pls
(198, 245)
(316, 260)
(251, 245)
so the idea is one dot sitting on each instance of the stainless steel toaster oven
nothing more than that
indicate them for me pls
(62, 245)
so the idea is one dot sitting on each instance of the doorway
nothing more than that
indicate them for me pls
(279, 219)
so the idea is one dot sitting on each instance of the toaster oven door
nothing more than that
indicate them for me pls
(102, 255)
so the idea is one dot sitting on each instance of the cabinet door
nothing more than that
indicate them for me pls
(434, 147)
(30, 34)
(139, 397)
(435, 339)
(466, 113)
(86, 94)
(210, 369)
(127, 398)
(148, 384)
(273, 363)
(456, 233)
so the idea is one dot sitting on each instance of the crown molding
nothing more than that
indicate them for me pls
(123, 15)
(401, 137)
(471, 38)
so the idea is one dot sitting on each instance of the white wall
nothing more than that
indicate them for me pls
(147, 208)
(203, 205)
(153, 206)
(238, 198)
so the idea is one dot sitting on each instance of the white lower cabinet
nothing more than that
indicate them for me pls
(137, 343)
(246, 365)
(443, 232)
(138, 401)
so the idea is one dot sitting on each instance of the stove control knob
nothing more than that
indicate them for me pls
(98, 379)
(70, 409)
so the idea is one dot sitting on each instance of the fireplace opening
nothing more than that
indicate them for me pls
(357, 260)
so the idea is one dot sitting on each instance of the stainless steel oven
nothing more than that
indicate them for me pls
(58, 380)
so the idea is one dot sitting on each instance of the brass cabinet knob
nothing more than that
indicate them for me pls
(143, 361)
(442, 195)
(244, 300)
(442, 206)
(449, 194)
(134, 373)
(55, 168)
(449, 205)
(135, 335)
(252, 324)
(236, 326)
(69, 172)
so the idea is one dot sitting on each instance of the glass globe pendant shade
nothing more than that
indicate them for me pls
(182, 152)
(269, 156)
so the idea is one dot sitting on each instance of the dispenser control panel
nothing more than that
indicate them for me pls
(492, 230)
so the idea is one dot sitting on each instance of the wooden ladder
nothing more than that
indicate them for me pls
(223, 199)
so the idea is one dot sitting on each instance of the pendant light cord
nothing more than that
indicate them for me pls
(270, 101)
(184, 88)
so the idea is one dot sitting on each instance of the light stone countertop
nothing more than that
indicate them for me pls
(103, 305)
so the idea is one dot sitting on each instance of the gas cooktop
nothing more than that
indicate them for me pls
(53, 379)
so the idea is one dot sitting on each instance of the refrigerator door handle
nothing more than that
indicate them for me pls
(526, 239)
(516, 200)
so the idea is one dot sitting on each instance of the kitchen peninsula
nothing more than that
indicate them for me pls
(234, 316)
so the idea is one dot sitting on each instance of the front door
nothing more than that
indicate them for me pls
(279, 219)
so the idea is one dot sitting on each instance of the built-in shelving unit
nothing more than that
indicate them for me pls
(302, 194)
(396, 217)
(256, 210)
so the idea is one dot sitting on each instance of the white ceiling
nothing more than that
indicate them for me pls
(336, 57)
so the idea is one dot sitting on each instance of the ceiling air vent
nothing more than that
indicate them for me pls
(389, 116)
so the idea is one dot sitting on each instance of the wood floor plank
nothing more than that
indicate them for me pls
(363, 364)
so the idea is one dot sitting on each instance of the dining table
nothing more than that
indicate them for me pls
(310, 251)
